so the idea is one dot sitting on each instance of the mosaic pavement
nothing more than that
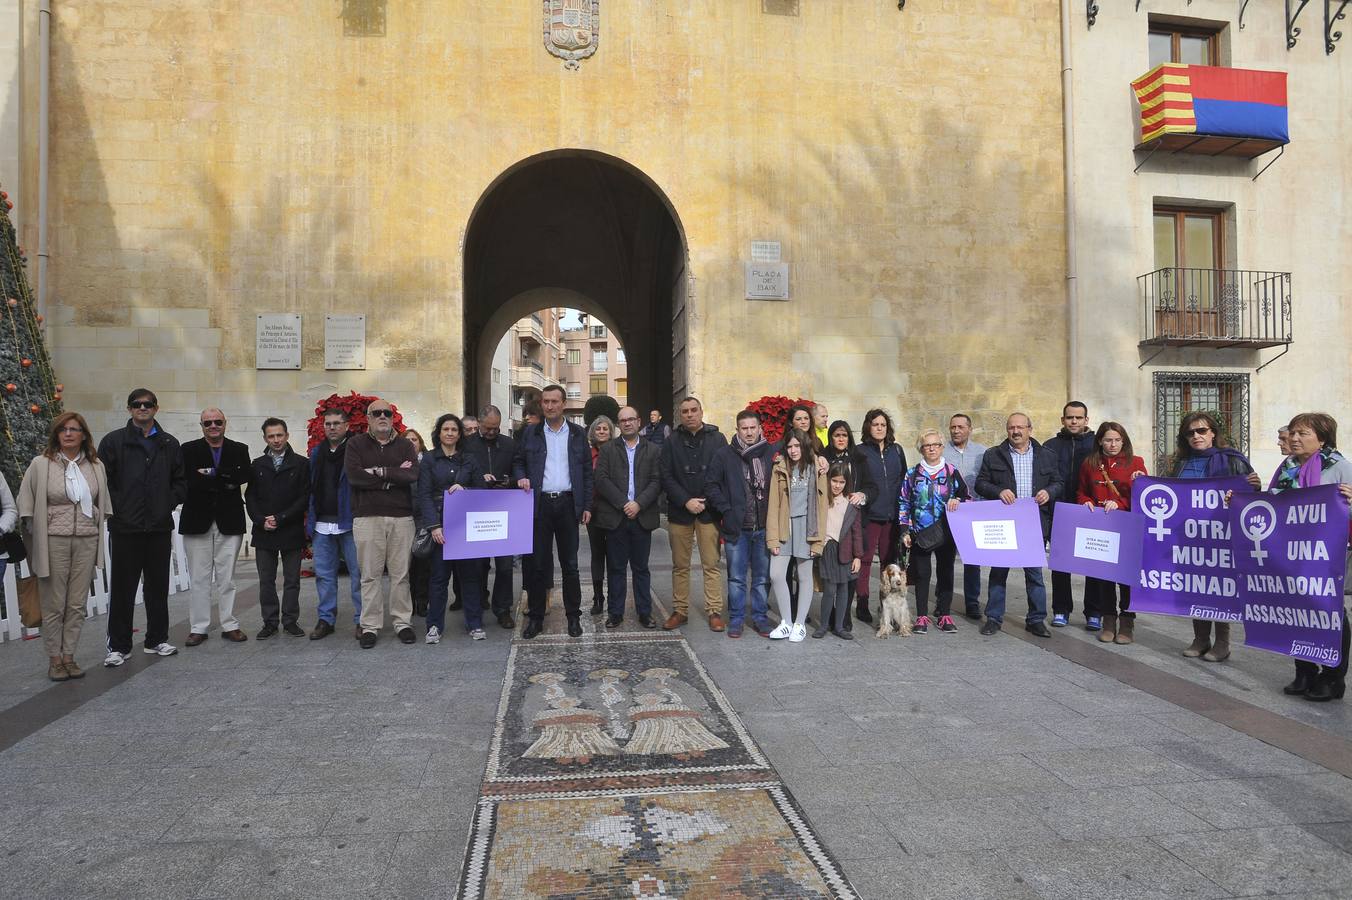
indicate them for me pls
(619, 769)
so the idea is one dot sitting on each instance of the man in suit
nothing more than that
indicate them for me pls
(277, 499)
(553, 457)
(1016, 469)
(628, 481)
(212, 525)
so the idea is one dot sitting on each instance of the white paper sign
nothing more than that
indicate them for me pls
(765, 251)
(486, 526)
(767, 281)
(345, 342)
(1092, 543)
(995, 535)
(277, 341)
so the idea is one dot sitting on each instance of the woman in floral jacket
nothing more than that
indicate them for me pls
(930, 489)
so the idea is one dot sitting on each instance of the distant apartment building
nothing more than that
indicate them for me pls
(592, 362)
(586, 359)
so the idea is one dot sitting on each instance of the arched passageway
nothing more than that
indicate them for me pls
(578, 229)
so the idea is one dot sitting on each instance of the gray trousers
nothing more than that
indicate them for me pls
(267, 584)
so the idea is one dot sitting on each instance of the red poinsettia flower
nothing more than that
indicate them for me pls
(773, 408)
(354, 405)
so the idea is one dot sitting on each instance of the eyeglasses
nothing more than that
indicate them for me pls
(208, 423)
(381, 413)
(141, 404)
(72, 429)
(1191, 432)
(931, 446)
(628, 419)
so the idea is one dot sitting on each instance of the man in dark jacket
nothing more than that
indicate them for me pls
(738, 487)
(656, 431)
(1017, 469)
(146, 481)
(685, 460)
(628, 480)
(329, 523)
(277, 499)
(554, 460)
(493, 451)
(1070, 448)
(212, 525)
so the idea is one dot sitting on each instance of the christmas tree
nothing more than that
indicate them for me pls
(29, 394)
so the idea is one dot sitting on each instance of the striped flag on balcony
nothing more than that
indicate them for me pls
(1177, 98)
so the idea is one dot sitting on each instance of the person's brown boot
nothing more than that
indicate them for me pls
(1201, 639)
(56, 670)
(715, 622)
(1109, 630)
(1126, 631)
(675, 621)
(1221, 648)
(72, 669)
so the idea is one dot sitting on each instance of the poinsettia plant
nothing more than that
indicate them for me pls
(355, 405)
(773, 408)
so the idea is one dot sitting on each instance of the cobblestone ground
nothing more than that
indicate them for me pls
(929, 766)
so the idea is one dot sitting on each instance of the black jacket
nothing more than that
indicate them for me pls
(685, 460)
(146, 483)
(436, 473)
(997, 474)
(612, 484)
(725, 487)
(1070, 452)
(877, 475)
(493, 458)
(529, 462)
(214, 499)
(284, 493)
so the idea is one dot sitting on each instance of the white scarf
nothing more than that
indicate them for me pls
(931, 470)
(77, 487)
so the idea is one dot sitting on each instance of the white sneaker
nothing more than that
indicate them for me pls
(782, 630)
(161, 650)
(478, 634)
(434, 635)
(799, 632)
(114, 659)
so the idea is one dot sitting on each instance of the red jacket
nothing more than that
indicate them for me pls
(1094, 487)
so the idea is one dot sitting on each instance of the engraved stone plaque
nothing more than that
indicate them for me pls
(767, 281)
(345, 342)
(277, 341)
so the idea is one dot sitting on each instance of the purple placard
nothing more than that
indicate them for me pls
(999, 534)
(1291, 551)
(1097, 542)
(1187, 566)
(483, 523)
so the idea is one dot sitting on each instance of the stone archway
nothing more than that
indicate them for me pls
(579, 228)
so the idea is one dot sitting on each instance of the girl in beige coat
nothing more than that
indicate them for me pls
(63, 503)
(795, 529)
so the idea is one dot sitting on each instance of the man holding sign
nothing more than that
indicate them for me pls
(1019, 468)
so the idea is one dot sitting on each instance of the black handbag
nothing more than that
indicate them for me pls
(423, 545)
(930, 537)
(14, 547)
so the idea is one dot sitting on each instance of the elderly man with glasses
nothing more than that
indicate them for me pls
(212, 525)
(381, 469)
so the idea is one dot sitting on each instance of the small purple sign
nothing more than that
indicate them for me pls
(1290, 552)
(483, 523)
(1097, 542)
(1187, 565)
(999, 534)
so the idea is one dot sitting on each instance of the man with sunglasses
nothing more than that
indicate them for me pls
(381, 469)
(146, 481)
(212, 525)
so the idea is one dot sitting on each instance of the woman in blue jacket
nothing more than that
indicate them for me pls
(444, 470)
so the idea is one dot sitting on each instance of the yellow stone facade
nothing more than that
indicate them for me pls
(213, 161)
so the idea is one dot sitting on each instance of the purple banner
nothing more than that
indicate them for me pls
(1291, 550)
(994, 533)
(483, 523)
(1097, 543)
(1187, 565)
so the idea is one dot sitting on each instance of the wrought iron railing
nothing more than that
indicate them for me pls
(1216, 307)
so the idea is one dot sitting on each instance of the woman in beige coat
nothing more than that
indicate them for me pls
(63, 503)
(795, 529)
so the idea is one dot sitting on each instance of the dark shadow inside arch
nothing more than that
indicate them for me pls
(595, 233)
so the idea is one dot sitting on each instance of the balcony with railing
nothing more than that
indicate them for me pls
(529, 374)
(531, 329)
(1211, 110)
(1215, 308)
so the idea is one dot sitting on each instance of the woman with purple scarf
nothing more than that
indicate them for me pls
(1203, 453)
(1312, 441)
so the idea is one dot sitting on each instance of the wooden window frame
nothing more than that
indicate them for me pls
(1180, 213)
(1177, 32)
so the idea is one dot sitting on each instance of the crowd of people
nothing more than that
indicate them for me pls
(809, 513)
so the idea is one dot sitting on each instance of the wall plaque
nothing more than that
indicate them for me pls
(572, 29)
(345, 342)
(765, 251)
(277, 341)
(767, 281)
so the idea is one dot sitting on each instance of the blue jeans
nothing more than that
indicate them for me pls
(971, 588)
(748, 551)
(1037, 596)
(628, 545)
(468, 571)
(326, 548)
